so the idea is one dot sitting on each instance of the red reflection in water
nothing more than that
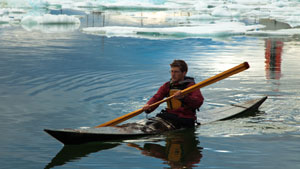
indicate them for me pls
(273, 58)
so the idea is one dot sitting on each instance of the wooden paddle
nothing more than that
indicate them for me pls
(239, 68)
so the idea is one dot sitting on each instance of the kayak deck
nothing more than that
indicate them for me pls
(79, 136)
(84, 135)
(248, 108)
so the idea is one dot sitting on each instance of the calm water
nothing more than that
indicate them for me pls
(71, 79)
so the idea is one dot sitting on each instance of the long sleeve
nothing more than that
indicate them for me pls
(160, 94)
(194, 99)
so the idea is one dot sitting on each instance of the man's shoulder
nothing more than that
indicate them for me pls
(188, 80)
(164, 88)
(166, 84)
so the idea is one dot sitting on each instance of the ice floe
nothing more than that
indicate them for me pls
(281, 32)
(24, 3)
(52, 28)
(224, 11)
(197, 12)
(50, 23)
(50, 19)
(4, 20)
(205, 30)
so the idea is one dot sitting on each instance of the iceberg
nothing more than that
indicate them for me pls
(277, 33)
(4, 20)
(223, 11)
(188, 14)
(24, 3)
(51, 23)
(50, 19)
(206, 30)
(48, 28)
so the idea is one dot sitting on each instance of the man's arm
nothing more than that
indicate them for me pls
(160, 94)
(194, 99)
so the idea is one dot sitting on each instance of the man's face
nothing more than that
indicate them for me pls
(176, 74)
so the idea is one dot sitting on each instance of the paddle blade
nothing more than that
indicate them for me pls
(237, 69)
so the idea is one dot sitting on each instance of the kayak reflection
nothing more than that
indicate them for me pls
(75, 152)
(181, 149)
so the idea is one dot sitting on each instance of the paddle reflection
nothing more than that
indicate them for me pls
(75, 152)
(180, 151)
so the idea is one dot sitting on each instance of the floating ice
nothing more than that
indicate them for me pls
(201, 17)
(201, 5)
(23, 4)
(50, 19)
(281, 32)
(51, 23)
(294, 21)
(4, 20)
(85, 4)
(52, 28)
(137, 4)
(198, 12)
(223, 11)
(205, 30)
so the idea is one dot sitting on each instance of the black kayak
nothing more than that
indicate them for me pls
(102, 134)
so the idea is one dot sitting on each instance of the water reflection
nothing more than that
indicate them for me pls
(273, 54)
(181, 149)
(273, 58)
(96, 18)
(75, 152)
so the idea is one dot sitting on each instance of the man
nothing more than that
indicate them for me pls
(181, 110)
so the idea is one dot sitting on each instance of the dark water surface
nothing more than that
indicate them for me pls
(70, 80)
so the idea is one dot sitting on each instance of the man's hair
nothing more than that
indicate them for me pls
(181, 64)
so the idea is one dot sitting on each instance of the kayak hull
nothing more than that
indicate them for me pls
(70, 137)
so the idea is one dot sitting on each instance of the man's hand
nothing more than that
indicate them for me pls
(146, 108)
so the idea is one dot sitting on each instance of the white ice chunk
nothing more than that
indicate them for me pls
(16, 11)
(23, 3)
(286, 11)
(8, 11)
(4, 20)
(84, 4)
(202, 17)
(51, 23)
(50, 19)
(205, 30)
(253, 2)
(281, 32)
(293, 21)
(52, 28)
(220, 11)
(201, 5)
(122, 4)
(224, 11)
